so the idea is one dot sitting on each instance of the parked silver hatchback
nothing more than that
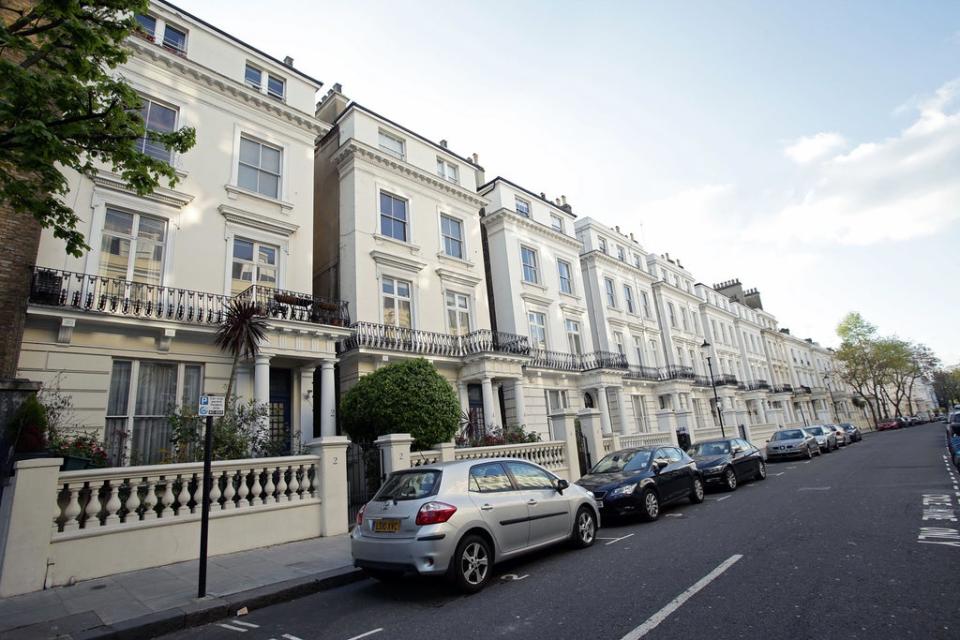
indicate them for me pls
(459, 518)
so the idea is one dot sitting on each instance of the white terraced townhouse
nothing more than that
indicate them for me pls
(536, 290)
(127, 330)
(399, 238)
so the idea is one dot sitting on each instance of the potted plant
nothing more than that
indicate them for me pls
(28, 430)
(79, 452)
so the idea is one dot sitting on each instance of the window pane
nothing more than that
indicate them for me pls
(389, 310)
(114, 257)
(161, 118)
(529, 477)
(404, 316)
(191, 386)
(149, 262)
(403, 289)
(399, 209)
(247, 177)
(267, 276)
(147, 23)
(119, 222)
(267, 255)
(270, 185)
(156, 389)
(243, 249)
(488, 478)
(249, 152)
(275, 86)
(119, 389)
(252, 77)
(387, 285)
(270, 159)
(151, 229)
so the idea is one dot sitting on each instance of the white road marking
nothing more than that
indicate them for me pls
(721, 498)
(291, 637)
(807, 461)
(814, 489)
(780, 474)
(514, 577)
(246, 624)
(618, 539)
(673, 515)
(232, 628)
(678, 602)
(364, 635)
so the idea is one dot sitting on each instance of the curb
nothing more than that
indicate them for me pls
(197, 613)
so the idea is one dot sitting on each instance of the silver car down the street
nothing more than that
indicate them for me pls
(459, 518)
(825, 435)
(788, 443)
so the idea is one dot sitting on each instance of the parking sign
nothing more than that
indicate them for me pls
(212, 405)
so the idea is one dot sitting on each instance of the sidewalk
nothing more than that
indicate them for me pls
(142, 604)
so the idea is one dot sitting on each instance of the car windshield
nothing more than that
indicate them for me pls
(817, 431)
(789, 434)
(409, 485)
(622, 461)
(712, 449)
(847, 426)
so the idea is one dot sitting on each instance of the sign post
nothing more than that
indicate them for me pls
(209, 406)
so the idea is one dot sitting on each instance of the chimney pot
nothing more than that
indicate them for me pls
(338, 87)
(476, 159)
(443, 143)
(563, 199)
(288, 61)
(543, 196)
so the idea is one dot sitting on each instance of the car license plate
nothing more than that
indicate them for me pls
(599, 504)
(386, 525)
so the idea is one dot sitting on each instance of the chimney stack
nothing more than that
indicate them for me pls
(288, 61)
(476, 159)
(443, 143)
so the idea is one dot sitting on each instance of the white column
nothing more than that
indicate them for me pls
(604, 410)
(489, 410)
(761, 413)
(622, 406)
(519, 404)
(328, 400)
(307, 398)
(261, 384)
(464, 398)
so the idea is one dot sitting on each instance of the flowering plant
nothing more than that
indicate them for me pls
(80, 446)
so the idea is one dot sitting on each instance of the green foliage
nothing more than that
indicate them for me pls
(28, 427)
(64, 107)
(510, 434)
(240, 334)
(238, 434)
(80, 446)
(404, 397)
(946, 384)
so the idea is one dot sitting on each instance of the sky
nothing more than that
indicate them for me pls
(811, 150)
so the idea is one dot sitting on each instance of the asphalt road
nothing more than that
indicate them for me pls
(826, 549)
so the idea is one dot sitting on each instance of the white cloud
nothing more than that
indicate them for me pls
(815, 147)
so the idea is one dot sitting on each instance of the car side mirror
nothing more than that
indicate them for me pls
(659, 464)
(561, 485)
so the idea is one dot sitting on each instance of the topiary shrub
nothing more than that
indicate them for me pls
(28, 427)
(403, 397)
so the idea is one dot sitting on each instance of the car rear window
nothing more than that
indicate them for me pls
(409, 485)
(792, 434)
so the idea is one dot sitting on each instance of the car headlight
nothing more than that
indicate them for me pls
(625, 490)
(712, 470)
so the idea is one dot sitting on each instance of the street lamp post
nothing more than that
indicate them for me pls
(705, 349)
(833, 407)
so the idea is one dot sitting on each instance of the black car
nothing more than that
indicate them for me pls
(728, 461)
(853, 433)
(641, 480)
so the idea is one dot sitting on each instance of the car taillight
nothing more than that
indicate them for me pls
(360, 516)
(435, 513)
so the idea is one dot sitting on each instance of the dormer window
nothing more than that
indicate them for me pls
(148, 25)
(253, 78)
(157, 30)
(275, 87)
(175, 40)
(522, 207)
(447, 170)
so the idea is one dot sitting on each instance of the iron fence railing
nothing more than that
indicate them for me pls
(292, 305)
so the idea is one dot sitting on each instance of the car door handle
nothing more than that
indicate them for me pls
(531, 502)
(486, 507)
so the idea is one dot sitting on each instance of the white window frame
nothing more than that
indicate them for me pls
(602, 243)
(134, 239)
(176, 124)
(569, 279)
(628, 299)
(383, 133)
(443, 237)
(256, 264)
(396, 297)
(572, 329)
(521, 203)
(556, 222)
(259, 86)
(610, 288)
(531, 314)
(447, 170)
(396, 196)
(457, 295)
(524, 266)
(283, 84)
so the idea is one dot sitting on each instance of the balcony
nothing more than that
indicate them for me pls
(642, 373)
(371, 335)
(119, 297)
(702, 381)
(758, 385)
(603, 360)
(544, 359)
(726, 380)
(679, 372)
(803, 389)
(783, 388)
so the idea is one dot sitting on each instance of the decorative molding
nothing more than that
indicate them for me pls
(354, 148)
(381, 239)
(163, 195)
(163, 342)
(457, 277)
(505, 215)
(460, 262)
(233, 191)
(573, 308)
(529, 296)
(226, 86)
(65, 334)
(257, 221)
(397, 262)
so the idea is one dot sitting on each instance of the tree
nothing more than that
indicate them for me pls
(858, 360)
(946, 384)
(240, 335)
(404, 397)
(64, 108)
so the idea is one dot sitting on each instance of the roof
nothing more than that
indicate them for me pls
(237, 40)
(526, 191)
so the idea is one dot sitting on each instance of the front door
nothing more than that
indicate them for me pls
(280, 409)
(478, 426)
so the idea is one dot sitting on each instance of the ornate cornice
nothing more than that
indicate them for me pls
(354, 148)
(226, 86)
(257, 221)
(162, 195)
(458, 277)
(504, 215)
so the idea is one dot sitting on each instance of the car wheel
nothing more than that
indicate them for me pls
(383, 575)
(730, 479)
(696, 493)
(584, 529)
(471, 565)
(810, 453)
(651, 505)
(762, 471)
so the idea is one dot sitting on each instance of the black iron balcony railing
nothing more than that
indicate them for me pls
(726, 379)
(758, 385)
(120, 297)
(544, 359)
(642, 373)
(702, 381)
(783, 388)
(679, 372)
(393, 338)
(803, 389)
(603, 360)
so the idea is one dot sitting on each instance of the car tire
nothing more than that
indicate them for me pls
(730, 479)
(697, 493)
(649, 505)
(584, 532)
(384, 575)
(810, 453)
(471, 565)
(761, 471)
